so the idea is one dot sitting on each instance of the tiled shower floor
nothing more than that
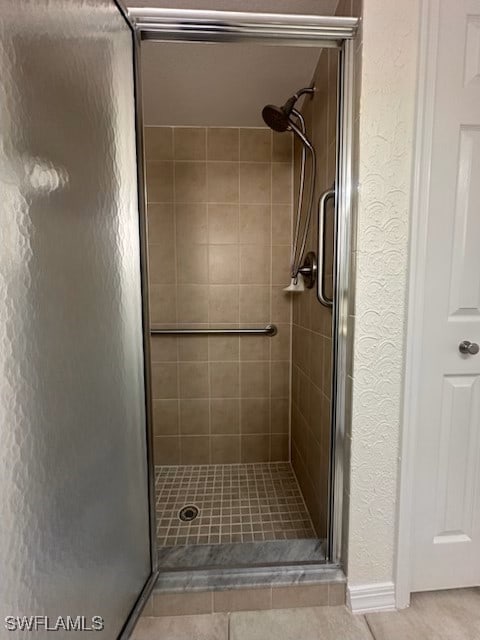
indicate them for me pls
(236, 502)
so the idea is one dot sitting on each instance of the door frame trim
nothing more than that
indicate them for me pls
(419, 216)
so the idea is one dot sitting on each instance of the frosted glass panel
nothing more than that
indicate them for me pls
(74, 532)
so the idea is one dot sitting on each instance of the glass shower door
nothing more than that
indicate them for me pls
(75, 543)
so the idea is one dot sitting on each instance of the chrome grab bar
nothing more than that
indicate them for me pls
(322, 207)
(269, 330)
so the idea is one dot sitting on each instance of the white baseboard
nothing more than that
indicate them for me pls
(366, 598)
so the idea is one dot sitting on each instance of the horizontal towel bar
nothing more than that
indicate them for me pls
(269, 330)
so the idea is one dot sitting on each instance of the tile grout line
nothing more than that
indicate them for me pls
(240, 452)
(176, 256)
(291, 302)
(208, 302)
(270, 280)
(369, 627)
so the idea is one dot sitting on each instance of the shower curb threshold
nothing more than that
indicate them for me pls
(182, 581)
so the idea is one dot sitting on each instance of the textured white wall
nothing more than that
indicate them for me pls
(386, 126)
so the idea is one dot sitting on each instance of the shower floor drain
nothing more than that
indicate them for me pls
(188, 513)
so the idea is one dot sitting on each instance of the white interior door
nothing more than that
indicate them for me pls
(446, 539)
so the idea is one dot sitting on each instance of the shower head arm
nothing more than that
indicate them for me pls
(289, 105)
(301, 92)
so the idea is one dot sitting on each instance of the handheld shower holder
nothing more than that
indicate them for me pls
(309, 270)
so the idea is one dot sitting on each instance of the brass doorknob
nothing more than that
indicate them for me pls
(468, 348)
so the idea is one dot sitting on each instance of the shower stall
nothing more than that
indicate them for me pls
(174, 333)
(244, 222)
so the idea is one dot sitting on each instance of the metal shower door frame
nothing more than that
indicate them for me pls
(142, 199)
(167, 25)
(341, 327)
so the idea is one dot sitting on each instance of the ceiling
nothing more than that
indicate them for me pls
(192, 84)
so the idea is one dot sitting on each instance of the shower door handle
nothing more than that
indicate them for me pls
(322, 208)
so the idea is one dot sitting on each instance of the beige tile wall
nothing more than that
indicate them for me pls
(312, 323)
(219, 224)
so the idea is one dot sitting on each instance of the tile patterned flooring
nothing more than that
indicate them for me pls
(236, 502)
(447, 615)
